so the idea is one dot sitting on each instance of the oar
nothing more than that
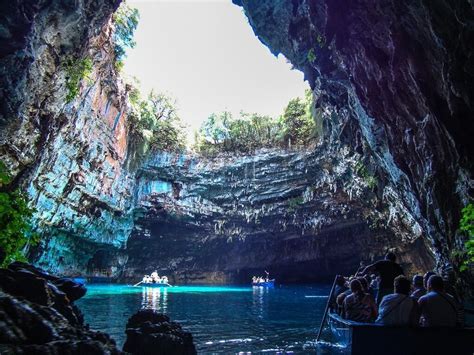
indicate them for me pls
(327, 309)
(138, 283)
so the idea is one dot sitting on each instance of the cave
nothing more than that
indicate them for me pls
(392, 84)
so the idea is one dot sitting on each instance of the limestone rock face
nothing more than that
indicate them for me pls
(397, 77)
(298, 214)
(70, 157)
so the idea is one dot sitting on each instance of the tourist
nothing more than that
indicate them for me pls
(449, 287)
(387, 269)
(418, 287)
(359, 306)
(398, 308)
(145, 279)
(438, 309)
(374, 285)
(339, 288)
(155, 277)
(361, 268)
(426, 277)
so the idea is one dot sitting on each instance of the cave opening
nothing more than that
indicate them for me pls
(215, 164)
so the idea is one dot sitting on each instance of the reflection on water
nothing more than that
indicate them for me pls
(258, 304)
(155, 298)
(222, 319)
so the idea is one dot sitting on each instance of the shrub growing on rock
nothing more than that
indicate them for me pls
(76, 71)
(467, 226)
(15, 215)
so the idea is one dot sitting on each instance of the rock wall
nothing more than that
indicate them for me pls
(301, 215)
(397, 77)
(70, 157)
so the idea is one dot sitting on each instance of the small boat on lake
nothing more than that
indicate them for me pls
(268, 283)
(263, 282)
(154, 280)
(371, 338)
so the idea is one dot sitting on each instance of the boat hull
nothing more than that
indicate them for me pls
(270, 283)
(375, 339)
(154, 285)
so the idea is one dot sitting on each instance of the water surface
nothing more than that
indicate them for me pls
(222, 319)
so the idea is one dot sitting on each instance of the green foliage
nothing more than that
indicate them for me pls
(15, 215)
(362, 171)
(467, 226)
(294, 202)
(321, 40)
(311, 56)
(76, 71)
(297, 122)
(222, 132)
(126, 22)
(155, 119)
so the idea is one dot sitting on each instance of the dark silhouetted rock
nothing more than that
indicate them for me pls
(149, 332)
(37, 317)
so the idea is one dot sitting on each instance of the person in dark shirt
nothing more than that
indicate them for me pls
(388, 270)
(418, 287)
(339, 288)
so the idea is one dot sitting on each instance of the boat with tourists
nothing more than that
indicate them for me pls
(371, 338)
(263, 281)
(357, 338)
(153, 280)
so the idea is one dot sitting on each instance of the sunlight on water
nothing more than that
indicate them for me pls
(221, 318)
(112, 289)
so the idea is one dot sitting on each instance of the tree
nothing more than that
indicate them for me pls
(126, 22)
(156, 120)
(222, 132)
(297, 123)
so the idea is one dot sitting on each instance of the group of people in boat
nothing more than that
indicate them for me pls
(154, 278)
(381, 293)
(260, 279)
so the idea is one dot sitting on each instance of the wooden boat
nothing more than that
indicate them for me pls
(372, 339)
(269, 283)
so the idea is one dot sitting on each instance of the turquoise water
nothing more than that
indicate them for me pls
(221, 319)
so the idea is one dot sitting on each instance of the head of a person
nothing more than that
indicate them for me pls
(418, 281)
(356, 286)
(364, 283)
(391, 257)
(436, 283)
(448, 275)
(340, 280)
(426, 277)
(401, 285)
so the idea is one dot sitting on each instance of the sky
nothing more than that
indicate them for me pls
(206, 56)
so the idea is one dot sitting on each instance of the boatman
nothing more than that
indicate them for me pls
(388, 270)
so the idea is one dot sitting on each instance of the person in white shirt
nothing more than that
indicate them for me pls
(398, 309)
